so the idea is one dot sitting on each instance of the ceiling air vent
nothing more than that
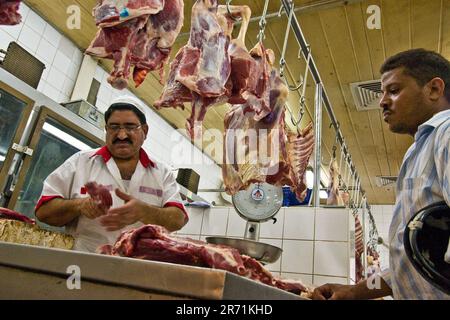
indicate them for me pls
(366, 94)
(383, 181)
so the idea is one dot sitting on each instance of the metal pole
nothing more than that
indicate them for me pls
(363, 218)
(317, 143)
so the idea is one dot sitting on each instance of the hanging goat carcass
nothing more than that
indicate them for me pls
(136, 34)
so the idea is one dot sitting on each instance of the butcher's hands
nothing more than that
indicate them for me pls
(131, 212)
(89, 208)
(332, 291)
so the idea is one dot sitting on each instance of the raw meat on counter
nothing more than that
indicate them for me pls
(136, 33)
(152, 242)
(9, 12)
(13, 215)
(100, 194)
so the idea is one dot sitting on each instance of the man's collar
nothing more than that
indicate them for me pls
(143, 156)
(432, 123)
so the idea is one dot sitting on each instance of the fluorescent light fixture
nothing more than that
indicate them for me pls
(64, 136)
(323, 194)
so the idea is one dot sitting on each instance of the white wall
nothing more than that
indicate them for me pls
(61, 57)
(382, 215)
(63, 60)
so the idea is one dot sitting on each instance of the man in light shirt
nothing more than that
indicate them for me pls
(415, 101)
(143, 191)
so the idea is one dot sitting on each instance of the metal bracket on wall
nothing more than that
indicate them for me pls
(22, 149)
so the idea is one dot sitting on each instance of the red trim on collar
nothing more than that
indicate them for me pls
(145, 160)
(104, 153)
(143, 156)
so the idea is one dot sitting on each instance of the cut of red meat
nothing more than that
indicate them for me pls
(100, 194)
(13, 215)
(9, 12)
(152, 242)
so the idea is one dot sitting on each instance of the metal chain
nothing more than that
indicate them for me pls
(262, 23)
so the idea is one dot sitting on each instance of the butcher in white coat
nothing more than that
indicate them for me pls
(143, 191)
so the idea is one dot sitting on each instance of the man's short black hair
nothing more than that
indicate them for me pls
(423, 65)
(125, 106)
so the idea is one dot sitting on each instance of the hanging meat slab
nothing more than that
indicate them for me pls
(335, 196)
(205, 71)
(152, 242)
(142, 38)
(300, 148)
(9, 12)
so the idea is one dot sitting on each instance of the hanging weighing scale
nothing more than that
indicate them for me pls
(259, 203)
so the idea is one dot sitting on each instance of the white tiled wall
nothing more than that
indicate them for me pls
(383, 216)
(309, 253)
(63, 60)
(61, 57)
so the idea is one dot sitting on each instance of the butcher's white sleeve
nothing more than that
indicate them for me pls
(59, 183)
(171, 193)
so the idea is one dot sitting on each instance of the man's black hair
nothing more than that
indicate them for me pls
(125, 106)
(423, 65)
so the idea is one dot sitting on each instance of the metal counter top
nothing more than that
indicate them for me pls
(148, 276)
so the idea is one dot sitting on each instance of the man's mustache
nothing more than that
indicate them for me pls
(122, 140)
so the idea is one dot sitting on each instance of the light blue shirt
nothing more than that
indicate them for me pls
(424, 179)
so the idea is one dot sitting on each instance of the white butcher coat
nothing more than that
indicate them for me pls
(152, 182)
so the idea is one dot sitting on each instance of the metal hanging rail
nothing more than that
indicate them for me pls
(316, 76)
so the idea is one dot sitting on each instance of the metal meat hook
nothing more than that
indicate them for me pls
(230, 13)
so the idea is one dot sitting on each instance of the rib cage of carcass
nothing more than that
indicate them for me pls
(136, 33)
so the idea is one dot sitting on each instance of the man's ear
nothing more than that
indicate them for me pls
(145, 128)
(436, 88)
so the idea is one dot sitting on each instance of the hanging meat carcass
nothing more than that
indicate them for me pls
(201, 68)
(9, 12)
(300, 148)
(334, 194)
(136, 33)
(257, 147)
(359, 250)
(152, 242)
(206, 71)
(254, 151)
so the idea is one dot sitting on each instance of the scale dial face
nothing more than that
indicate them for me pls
(260, 202)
